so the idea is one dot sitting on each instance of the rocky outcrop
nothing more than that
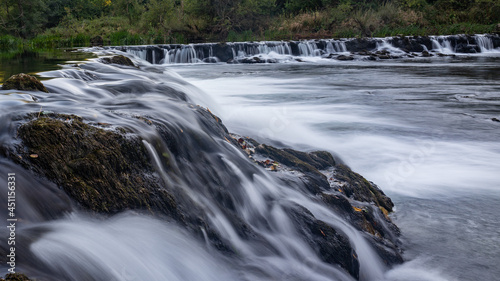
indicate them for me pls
(24, 82)
(108, 169)
(120, 59)
(103, 170)
(361, 202)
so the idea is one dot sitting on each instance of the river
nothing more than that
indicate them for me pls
(423, 129)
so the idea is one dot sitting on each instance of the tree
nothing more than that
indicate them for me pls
(22, 18)
(132, 9)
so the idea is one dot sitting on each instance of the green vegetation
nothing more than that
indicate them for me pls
(65, 23)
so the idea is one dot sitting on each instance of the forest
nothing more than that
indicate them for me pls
(71, 23)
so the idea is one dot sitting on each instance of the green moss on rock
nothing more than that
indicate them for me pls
(103, 170)
(120, 59)
(15, 277)
(24, 82)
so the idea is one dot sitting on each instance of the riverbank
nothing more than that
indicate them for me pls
(117, 32)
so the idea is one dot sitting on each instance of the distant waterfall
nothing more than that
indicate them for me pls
(236, 52)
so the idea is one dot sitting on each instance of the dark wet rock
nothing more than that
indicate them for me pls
(426, 54)
(24, 82)
(256, 59)
(120, 59)
(103, 170)
(96, 41)
(108, 169)
(358, 188)
(210, 60)
(495, 119)
(365, 53)
(385, 57)
(377, 226)
(360, 44)
(467, 48)
(331, 246)
(307, 163)
(15, 277)
(344, 57)
(446, 55)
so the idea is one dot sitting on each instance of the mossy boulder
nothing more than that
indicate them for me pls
(120, 59)
(103, 170)
(24, 82)
(15, 277)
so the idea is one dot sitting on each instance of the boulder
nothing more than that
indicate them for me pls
(344, 57)
(24, 82)
(120, 59)
(426, 54)
(103, 170)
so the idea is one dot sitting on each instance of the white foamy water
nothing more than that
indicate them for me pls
(422, 131)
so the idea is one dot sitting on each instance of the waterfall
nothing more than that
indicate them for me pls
(442, 44)
(484, 43)
(309, 49)
(285, 50)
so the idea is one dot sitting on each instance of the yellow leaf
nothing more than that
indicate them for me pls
(357, 209)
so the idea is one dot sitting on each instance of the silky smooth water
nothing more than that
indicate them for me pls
(421, 129)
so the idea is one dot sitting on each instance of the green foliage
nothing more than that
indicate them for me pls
(8, 42)
(67, 23)
(22, 18)
(297, 6)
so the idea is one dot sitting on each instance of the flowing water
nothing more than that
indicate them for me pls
(423, 129)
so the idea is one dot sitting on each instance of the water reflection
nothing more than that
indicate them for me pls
(31, 62)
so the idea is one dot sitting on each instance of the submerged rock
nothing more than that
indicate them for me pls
(24, 82)
(120, 59)
(344, 57)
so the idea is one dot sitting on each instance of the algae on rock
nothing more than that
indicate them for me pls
(103, 170)
(24, 82)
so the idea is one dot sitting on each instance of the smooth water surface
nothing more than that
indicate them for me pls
(423, 130)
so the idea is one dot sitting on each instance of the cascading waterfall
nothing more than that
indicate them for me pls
(281, 50)
(258, 227)
(484, 43)
(442, 44)
(308, 49)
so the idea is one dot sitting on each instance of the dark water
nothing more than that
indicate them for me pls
(30, 62)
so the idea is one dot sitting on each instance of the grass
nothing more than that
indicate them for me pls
(341, 22)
